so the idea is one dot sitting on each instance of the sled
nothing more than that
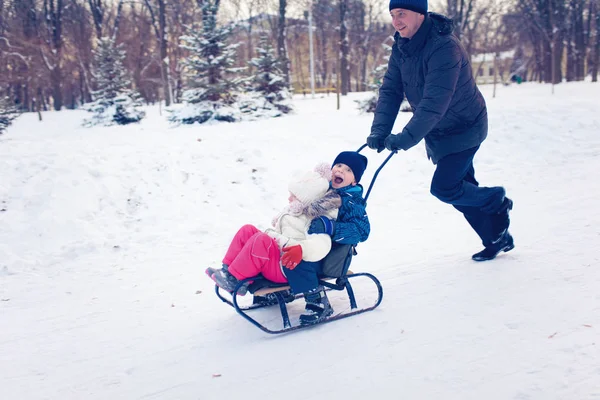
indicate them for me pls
(263, 287)
(279, 293)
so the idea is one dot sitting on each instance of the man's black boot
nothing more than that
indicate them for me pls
(505, 243)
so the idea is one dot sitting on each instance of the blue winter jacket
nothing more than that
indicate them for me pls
(352, 224)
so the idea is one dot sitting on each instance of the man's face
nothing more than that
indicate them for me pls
(406, 22)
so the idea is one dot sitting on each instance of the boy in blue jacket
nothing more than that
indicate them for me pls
(349, 228)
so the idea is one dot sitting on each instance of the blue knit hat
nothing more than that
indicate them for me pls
(357, 162)
(419, 6)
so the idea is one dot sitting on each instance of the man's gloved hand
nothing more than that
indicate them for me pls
(376, 142)
(395, 142)
(322, 225)
(291, 256)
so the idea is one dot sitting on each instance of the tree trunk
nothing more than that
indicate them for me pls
(2, 24)
(557, 60)
(553, 49)
(56, 80)
(364, 40)
(249, 45)
(97, 11)
(596, 57)
(53, 13)
(344, 50)
(281, 46)
(117, 20)
(579, 39)
(571, 57)
(322, 41)
(164, 57)
(363, 74)
(495, 73)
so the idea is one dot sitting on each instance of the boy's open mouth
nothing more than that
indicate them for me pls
(337, 180)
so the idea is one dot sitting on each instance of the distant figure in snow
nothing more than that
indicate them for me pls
(430, 66)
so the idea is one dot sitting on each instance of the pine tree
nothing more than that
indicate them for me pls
(212, 84)
(115, 101)
(269, 81)
(7, 113)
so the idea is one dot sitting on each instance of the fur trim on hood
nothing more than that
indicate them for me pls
(442, 24)
(317, 208)
(322, 206)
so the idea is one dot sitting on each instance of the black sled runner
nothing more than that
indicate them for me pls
(278, 294)
(271, 293)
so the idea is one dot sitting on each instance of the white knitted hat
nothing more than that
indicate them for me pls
(312, 185)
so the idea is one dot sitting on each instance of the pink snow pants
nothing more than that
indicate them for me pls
(253, 252)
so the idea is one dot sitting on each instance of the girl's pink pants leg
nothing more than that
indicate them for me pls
(253, 252)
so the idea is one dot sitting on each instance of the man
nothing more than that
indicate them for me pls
(429, 65)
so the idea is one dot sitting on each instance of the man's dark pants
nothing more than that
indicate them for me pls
(454, 183)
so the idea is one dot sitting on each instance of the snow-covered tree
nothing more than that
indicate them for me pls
(213, 83)
(115, 101)
(7, 113)
(269, 81)
(378, 73)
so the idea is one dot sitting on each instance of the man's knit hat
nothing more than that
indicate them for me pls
(419, 6)
(356, 161)
(312, 185)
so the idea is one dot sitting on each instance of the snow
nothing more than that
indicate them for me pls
(105, 234)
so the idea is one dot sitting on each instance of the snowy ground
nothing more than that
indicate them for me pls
(105, 234)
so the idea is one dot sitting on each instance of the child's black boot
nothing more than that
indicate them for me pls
(317, 307)
(270, 299)
(226, 281)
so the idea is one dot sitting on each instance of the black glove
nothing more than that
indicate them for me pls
(322, 225)
(395, 142)
(376, 142)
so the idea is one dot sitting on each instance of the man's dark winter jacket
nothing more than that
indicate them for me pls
(434, 72)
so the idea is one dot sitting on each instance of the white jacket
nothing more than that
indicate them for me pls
(291, 229)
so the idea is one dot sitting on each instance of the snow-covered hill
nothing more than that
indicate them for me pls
(105, 234)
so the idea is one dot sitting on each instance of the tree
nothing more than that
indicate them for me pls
(575, 41)
(323, 12)
(160, 30)
(547, 32)
(595, 47)
(7, 113)
(268, 80)
(460, 11)
(344, 49)
(246, 10)
(115, 101)
(52, 50)
(281, 45)
(212, 88)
